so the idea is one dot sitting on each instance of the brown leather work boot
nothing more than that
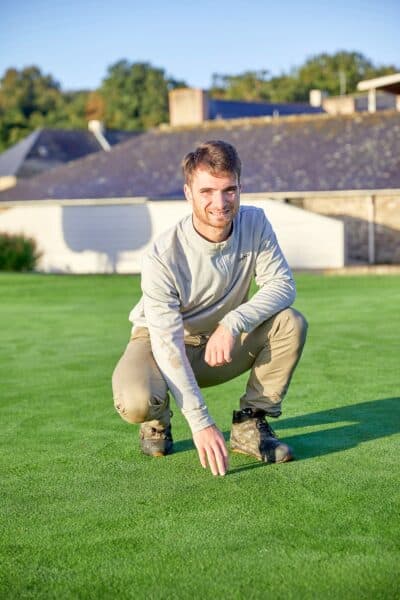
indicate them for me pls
(155, 440)
(251, 434)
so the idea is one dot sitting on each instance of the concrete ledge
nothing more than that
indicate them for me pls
(364, 270)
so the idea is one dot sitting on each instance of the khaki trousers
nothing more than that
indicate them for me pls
(271, 353)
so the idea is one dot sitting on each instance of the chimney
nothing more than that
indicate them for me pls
(97, 128)
(316, 97)
(188, 106)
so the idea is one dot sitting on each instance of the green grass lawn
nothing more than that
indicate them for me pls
(85, 515)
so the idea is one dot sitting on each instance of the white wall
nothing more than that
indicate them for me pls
(308, 240)
(110, 236)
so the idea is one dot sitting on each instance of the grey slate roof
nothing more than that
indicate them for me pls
(46, 148)
(308, 153)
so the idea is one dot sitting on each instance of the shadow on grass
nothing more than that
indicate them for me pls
(365, 421)
(183, 445)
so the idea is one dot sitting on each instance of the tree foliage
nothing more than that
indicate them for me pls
(132, 96)
(249, 86)
(136, 95)
(95, 107)
(339, 73)
(335, 74)
(29, 100)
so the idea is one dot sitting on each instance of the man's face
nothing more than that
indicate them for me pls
(215, 202)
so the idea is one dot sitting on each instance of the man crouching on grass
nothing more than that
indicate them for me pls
(195, 326)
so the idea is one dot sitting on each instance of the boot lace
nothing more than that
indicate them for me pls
(264, 427)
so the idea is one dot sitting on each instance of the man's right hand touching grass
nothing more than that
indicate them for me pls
(212, 449)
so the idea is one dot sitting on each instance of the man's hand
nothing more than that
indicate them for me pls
(219, 347)
(211, 447)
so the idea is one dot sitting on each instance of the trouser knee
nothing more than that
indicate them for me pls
(131, 403)
(130, 414)
(139, 393)
(299, 326)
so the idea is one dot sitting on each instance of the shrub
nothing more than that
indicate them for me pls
(18, 253)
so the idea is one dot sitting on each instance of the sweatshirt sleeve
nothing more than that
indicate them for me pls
(276, 285)
(164, 320)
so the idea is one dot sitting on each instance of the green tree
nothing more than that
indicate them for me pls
(74, 110)
(249, 86)
(335, 74)
(25, 97)
(132, 96)
(136, 95)
(338, 73)
(28, 100)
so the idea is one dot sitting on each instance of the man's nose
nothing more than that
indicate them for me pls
(220, 199)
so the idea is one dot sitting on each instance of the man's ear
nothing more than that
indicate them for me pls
(188, 193)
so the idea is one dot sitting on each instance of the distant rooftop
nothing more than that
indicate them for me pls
(47, 148)
(387, 83)
(303, 153)
(192, 106)
(231, 109)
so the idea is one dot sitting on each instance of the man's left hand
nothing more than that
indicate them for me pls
(219, 347)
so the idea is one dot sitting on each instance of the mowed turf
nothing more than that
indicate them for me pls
(85, 515)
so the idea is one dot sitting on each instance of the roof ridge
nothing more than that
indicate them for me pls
(13, 158)
(269, 119)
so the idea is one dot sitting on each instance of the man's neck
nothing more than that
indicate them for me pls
(214, 235)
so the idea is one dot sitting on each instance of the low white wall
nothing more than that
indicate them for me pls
(308, 240)
(110, 236)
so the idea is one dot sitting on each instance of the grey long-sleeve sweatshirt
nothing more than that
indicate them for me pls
(190, 285)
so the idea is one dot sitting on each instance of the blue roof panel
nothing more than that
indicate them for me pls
(231, 109)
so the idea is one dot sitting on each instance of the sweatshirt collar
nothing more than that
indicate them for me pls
(198, 241)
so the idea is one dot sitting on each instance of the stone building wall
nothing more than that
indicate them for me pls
(387, 228)
(364, 214)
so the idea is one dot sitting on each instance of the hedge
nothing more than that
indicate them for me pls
(18, 252)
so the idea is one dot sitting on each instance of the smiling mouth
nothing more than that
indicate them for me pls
(220, 213)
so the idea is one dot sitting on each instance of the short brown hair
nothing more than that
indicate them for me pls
(215, 156)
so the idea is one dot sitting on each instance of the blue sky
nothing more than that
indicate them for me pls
(76, 41)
